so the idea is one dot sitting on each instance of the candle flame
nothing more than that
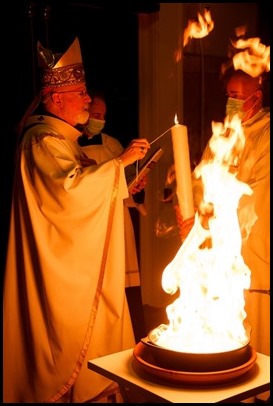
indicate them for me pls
(176, 119)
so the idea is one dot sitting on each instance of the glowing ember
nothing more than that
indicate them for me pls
(208, 269)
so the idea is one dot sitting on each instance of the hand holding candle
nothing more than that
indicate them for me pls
(182, 170)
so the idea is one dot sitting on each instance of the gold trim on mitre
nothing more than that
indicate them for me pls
(67, 71)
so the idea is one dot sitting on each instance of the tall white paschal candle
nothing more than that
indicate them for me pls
(182, 170)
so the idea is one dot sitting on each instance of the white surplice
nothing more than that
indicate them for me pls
(109, 149)
(64, 288)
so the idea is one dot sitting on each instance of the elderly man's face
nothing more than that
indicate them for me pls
(74, 103)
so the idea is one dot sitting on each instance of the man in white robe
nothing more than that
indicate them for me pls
(102, 147)
(64, 287)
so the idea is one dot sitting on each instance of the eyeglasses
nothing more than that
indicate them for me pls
(81, 93)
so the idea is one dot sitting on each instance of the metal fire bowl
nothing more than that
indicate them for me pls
(192, 362)
(176, 367)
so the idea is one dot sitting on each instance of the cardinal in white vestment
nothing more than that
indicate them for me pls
(64, 287)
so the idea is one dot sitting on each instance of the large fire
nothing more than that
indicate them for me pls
(208, 269)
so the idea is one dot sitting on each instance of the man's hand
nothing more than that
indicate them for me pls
(136, 150)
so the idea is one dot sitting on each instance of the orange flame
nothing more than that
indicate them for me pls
(195, 29)
(209, 314)
(200, 28)
(254, 59)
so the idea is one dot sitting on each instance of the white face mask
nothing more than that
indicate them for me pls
(94, 126)
(235, 106)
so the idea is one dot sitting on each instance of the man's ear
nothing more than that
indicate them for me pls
(56, 99)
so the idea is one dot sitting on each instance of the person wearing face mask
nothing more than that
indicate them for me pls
(94, 126)
(252, 165)
(244, 96)
(102, 147)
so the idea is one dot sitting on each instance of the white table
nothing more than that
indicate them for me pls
(121, 368)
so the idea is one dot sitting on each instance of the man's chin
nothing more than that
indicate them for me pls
(83, 118)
